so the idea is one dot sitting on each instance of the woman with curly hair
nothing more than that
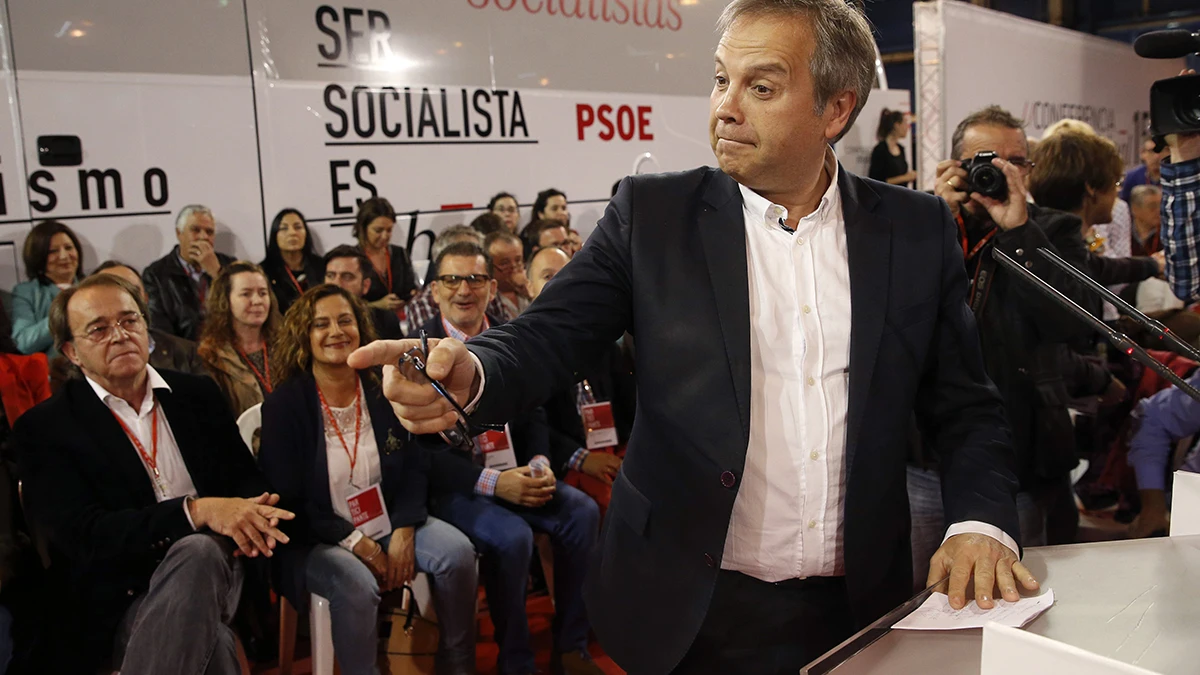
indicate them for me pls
(241, 321)
(331, 443)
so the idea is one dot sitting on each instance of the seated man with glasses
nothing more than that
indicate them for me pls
(508, 262)
(146, 493)
(503, 533)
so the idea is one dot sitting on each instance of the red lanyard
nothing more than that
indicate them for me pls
(264, 382)
(293, 278)
(150, 459)
(352, 456)
(962, 232)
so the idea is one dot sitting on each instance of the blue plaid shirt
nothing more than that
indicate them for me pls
(1181, 227)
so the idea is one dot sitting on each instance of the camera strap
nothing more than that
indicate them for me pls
(981, 281)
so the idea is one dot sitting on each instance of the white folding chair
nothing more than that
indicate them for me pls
(248, 423)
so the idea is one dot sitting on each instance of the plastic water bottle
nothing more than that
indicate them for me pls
(539, 466)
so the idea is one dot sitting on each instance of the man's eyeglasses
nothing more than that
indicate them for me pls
(453, 281)
(459, 436)
(1022, 164)
(506, 267)
(101, 333)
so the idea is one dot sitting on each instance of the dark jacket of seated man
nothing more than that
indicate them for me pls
(610, 380)
(88, 492)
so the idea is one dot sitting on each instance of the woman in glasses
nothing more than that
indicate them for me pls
(332, 446)
(241, 322)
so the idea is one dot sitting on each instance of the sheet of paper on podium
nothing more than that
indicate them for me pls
(1185, 504)
(937, 614)
(1008, 650)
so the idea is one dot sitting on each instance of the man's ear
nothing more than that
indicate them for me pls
(492, 286)
(68, 350)
(366, 285)
(838, 111)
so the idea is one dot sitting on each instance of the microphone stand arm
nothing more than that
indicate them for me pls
(1118, 339)
(1170, 340)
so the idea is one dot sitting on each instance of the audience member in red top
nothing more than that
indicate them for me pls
(236, 343)
(145, 490)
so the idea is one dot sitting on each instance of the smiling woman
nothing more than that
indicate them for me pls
(53, 260)
(242, 318)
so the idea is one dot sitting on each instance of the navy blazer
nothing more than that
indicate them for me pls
(668, 263)
(86, 490)
(292, 455)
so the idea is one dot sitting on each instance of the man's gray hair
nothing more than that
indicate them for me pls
(189, 211)
(452, 234)
(1140, 193)
(994, 116)
(843, 56)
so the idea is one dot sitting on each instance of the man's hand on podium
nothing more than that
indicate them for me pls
(993, 565)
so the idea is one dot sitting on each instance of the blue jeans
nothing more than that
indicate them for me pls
(442, 552)
(503, 534)
(928, 520)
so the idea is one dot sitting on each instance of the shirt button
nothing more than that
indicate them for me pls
(807, 309)
(728, 479)
(812, 524)
(1020, 251)
(811, 381)
(815, 455)
(800, 240)
(708, 560)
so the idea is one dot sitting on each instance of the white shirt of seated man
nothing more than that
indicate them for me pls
(110, 343)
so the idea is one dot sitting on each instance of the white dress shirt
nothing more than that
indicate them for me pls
(787, 519)
(367, 471)
(173, 479)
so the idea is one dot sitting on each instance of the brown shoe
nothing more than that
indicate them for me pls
(579, 663)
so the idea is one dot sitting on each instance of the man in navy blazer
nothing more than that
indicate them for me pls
(790, 319)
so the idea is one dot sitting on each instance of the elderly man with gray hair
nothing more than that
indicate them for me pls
(178, 282)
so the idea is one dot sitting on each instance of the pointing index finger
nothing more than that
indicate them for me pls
(380, 352)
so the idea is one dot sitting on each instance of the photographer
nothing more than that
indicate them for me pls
(1020, 329)
(1181, 214)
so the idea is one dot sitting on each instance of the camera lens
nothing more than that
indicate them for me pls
(1188, 107)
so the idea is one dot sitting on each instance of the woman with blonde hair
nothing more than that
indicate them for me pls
(331, 445)
(241, 321)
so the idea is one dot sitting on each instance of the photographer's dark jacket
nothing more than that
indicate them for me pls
(1023, 332)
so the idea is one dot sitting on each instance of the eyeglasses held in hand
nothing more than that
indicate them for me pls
(460, 436)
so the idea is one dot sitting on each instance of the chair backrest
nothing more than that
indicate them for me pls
(249, 424)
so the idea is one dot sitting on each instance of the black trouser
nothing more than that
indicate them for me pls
(760, 628)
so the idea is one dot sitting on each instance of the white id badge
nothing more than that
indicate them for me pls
(497, 449)
(368, 513)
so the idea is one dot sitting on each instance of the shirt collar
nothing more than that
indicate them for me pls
(761, 210)
(452, 331)
(187, 266)
(155, 381)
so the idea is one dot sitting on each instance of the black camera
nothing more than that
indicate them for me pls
(985, 178)
(1175, 101)
(1175, 105)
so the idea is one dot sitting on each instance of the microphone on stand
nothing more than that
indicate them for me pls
(1118, 339)
(1167, 44)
